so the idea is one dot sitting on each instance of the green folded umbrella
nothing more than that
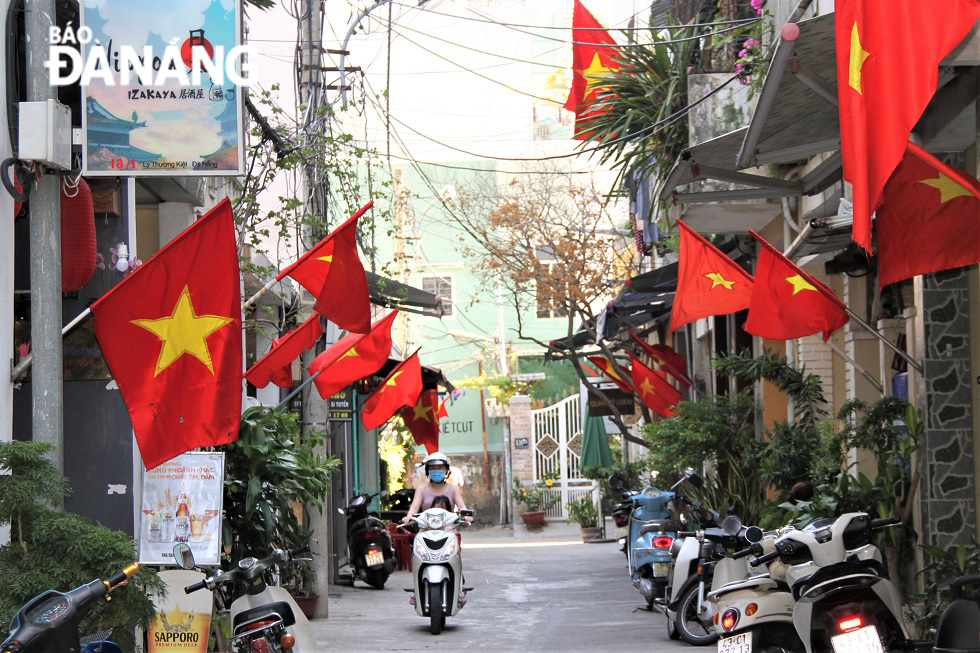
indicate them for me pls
(595, 444)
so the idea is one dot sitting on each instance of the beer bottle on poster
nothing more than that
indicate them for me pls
(182, 530)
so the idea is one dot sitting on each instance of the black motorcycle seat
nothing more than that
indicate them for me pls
(280, 608)
(959, 628)
(661, 525)
(840, 570)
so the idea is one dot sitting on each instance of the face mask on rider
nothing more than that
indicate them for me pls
(437, 475)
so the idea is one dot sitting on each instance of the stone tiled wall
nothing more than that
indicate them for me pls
(947, 492)
(521, 461)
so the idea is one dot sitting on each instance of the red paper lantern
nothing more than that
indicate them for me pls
(78, 243)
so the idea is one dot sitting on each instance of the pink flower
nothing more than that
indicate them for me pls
(99, 261)
(742, 53)
(757, 5)
(750, 42)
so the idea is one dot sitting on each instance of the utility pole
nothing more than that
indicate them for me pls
(47, 376)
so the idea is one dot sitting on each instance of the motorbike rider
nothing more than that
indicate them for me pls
(437, 470)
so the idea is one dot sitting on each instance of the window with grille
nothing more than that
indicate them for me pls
(442, 286)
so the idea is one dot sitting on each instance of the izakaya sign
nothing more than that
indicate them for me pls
(161, 85)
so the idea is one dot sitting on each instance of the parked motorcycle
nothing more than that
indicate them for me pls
(844, 602)
(265, 619)
(396, 505)
(48, 623)
(437, 569)
(370, 552)
(650, 533)
(753, 610)
(959, 626)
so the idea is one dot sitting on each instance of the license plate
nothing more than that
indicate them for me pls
(661, 568)
(862, 640)
(373, 559)
(741, 643)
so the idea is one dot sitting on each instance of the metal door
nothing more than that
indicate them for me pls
(557, 445)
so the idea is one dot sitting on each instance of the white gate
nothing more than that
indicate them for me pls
(557, 444)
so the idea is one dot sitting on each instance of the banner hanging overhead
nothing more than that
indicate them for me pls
(162, 86)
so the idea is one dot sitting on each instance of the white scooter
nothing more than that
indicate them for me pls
(437, 569)
(755, 612)
(265, 619)
(844, 602)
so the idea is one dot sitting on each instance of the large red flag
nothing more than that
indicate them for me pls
(672, 362)
(603, 364)
(653, 389)
(401, 388)
(333, 273)
(789, 303)
(708, 282)
(888, 56)
(276, 365)
(171, 334)
(593, 55)
(353, 357)
(422, 420)
(928, 220)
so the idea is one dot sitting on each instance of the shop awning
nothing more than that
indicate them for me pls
(393, 294)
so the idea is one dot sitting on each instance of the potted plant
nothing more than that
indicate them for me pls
(586, 514)
(273, 478)
(535, 499)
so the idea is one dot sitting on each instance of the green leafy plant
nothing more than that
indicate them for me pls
(584, 512)
(57, 550)
(273, 478)
(537, 497)
(944, 566)
(633, 475)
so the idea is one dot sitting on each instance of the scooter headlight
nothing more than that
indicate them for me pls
(450, 549)
(434, 522)
(421, 551)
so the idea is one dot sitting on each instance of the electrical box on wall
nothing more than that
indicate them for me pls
(44, 134)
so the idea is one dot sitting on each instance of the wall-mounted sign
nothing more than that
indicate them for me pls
(623, 401)
(340, 407)
(182, 502)
(520, 443)
(149, 104)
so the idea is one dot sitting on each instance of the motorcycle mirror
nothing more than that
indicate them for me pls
(694, 480)
(616, 483)
(184, 556)
(466, 513)
(686, 517)
(732, 525)
(340, 510)
(753, 534)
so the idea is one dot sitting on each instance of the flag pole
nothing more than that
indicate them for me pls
(851, 314)
(251, 300)
(298, 390)
(840, 352)
(22, 366)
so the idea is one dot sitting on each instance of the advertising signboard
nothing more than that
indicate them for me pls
(150, 105)
(182, 621)
(182, 502)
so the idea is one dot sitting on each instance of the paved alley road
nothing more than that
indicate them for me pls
(532, 594)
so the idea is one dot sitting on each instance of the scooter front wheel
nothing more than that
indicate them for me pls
(693, 627)
(436, 619)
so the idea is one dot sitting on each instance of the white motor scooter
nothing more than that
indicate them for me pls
(265, 618)
(437, 570)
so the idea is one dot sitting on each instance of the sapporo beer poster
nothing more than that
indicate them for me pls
(182, 503)
(145, 109)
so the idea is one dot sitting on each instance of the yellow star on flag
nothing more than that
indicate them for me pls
(948, 189)
(184, 332)
(718, 280)
(392, 380)
(856, 63)
(799, 283)
(594, 73)
(350, 352)
(646, 388)
(422, 411)
(611, 373)
(328, 258)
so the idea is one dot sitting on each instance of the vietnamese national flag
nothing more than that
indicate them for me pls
(171, 334)
(422, 420)
(888, 56)
(276, 365)
(672, 362)
(929, 218)
(353, 357)
(603, 364)
(593, 55)
(788, 303)
(333, 273)
(401, 388)
(443, 411)
(708, 282)
(653, 389)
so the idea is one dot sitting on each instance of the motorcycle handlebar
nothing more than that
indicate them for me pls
(741, 554)
(196, 586)
(300, 551)
(885, 521)
(121, 576)
(764, 559)
(687, 533)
